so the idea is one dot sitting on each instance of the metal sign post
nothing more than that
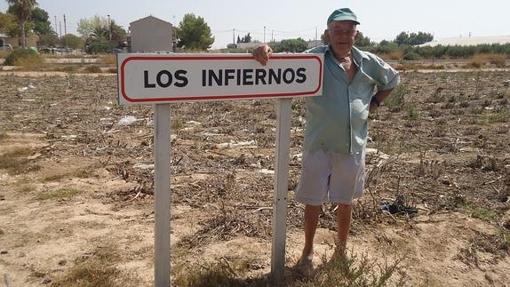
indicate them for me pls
(162, 79)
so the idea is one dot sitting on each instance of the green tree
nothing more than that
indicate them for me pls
(7, 24)
(194, 34)
(48, 40)
(72, 41)
(245, 39)
(97, 31)
(42, 25)
(95, 26)
(413, 39)
(291, 45)
(22, 9)
(362, 41)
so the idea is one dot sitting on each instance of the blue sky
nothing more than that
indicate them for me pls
(291, 19)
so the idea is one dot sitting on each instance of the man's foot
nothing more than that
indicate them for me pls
(304, 267)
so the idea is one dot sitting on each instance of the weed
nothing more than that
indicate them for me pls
(499, 116)
(78, 173)
(395, 101)
(26, 58)
(177, 124)
(15, 161)
(480, 60)
(220, 273)
(354, 271)
(412, 113)
(93, 69)
(497, 244)
(109, 59)
(58, 194)
(69, 68)
(96, 268)
(26, 188)
(479, 212)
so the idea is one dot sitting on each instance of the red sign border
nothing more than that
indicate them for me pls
(211, 97)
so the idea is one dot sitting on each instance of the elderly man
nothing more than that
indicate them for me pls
(355, 82)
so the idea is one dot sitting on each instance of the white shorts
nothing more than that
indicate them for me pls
(331, 177)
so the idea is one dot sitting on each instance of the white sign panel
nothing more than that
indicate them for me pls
(156, 78)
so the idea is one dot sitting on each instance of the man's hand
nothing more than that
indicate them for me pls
(262, 54)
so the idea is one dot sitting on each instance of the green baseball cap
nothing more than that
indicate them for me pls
(343, 14)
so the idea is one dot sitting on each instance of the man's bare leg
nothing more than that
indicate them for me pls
(343, 224)
(310, 226)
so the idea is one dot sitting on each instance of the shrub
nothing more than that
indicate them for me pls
(23, 57)
(93, 69)
(108, 59)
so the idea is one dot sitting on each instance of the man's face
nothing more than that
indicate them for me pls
(341, 36)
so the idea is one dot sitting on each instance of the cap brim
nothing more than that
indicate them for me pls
(344, 19)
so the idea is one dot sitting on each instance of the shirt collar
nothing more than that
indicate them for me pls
(357, 54)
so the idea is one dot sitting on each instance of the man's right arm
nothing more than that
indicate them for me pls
(262, 54)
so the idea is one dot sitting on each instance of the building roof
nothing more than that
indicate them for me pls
(150, 18)
(469, 41)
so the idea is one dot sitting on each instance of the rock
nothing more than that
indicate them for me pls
(62, 262)
(4, 252)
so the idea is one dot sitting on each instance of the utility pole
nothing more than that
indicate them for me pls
(272, 35)
(109, 28)
(56, 25)
(264, 34)
(234, 36)
(65, 25)
(60, 28)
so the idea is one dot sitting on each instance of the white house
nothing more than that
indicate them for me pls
(151, 34)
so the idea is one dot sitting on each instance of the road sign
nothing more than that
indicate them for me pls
(165, 78)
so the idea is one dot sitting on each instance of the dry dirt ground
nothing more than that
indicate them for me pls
(76, 184)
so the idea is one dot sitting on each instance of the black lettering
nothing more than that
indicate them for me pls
(180, 76)
(292, 76)
(229, 75)
(238, 77)
(260, 75)
(301, 76)
(203, 78)
(217, 78)
(159, 78)
(247, 77)
(277, 77)
(146, 80)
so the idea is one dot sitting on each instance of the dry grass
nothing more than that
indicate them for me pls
(3, 54)
(109, 59)
(96, 268)
(58, 194)
(355, 271)
(15, 161)
(334, 272)
(480, 60)
(395, 55)
(93, 69)
(85, 172)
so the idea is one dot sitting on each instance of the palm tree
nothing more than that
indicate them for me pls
(22, 9)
